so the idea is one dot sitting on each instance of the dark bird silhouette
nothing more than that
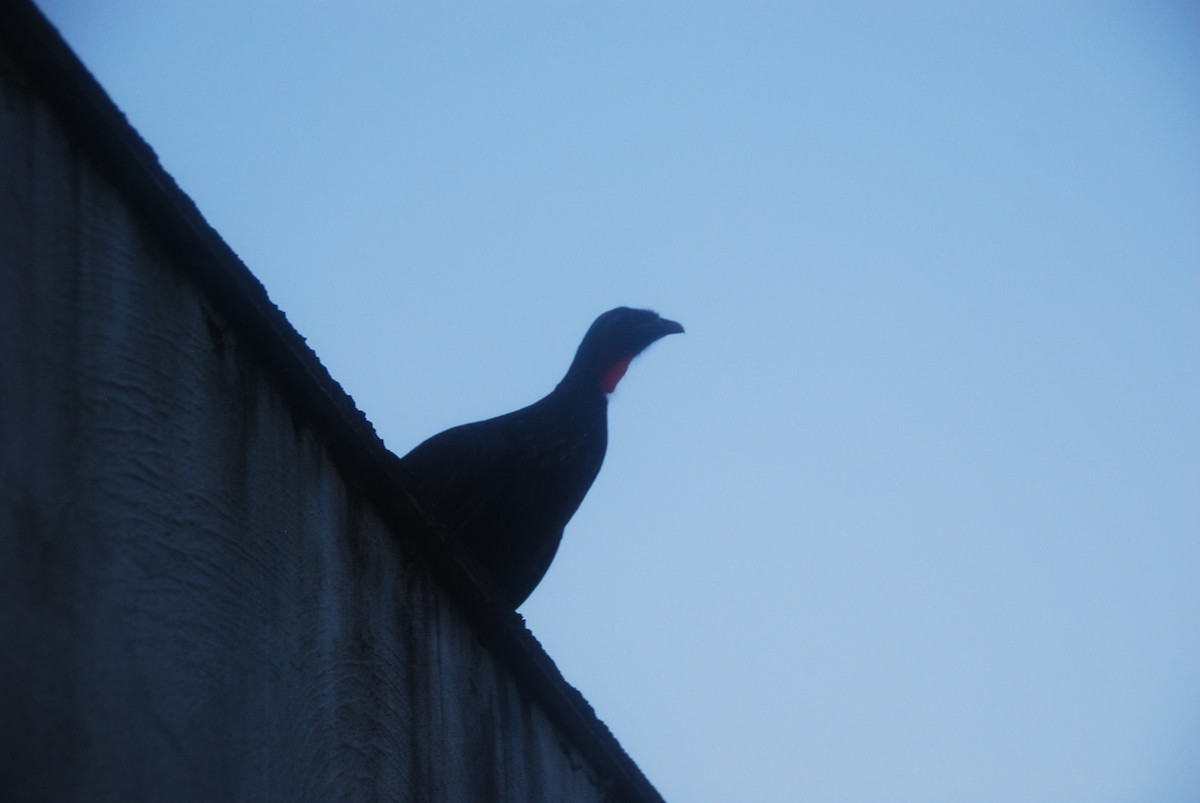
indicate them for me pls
(506, 487)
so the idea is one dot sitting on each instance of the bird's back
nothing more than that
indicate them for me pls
(506, 487)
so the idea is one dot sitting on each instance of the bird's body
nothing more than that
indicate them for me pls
(506, 487)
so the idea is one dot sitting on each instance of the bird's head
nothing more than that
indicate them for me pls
(613, 340)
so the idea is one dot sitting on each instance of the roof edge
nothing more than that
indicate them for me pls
(92, 120)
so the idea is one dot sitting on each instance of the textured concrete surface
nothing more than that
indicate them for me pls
(207, 588)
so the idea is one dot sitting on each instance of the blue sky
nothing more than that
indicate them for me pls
(912, 511)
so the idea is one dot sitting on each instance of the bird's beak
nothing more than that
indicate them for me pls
(663, 327)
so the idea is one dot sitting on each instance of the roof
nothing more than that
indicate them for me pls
(97, 126)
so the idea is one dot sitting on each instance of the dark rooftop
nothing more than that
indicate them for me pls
(98, 127)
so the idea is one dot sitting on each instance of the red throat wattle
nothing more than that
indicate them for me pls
(614, 373)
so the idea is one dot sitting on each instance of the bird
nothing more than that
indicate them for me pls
(506, 487)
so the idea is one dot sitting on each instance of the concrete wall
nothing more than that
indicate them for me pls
(204, 595)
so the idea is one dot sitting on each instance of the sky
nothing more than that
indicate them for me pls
(912, 510)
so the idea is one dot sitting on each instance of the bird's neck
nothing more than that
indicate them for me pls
(589, 371)
(582, 387)
(613, 374)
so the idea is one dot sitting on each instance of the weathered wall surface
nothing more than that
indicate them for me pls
(196, 601)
